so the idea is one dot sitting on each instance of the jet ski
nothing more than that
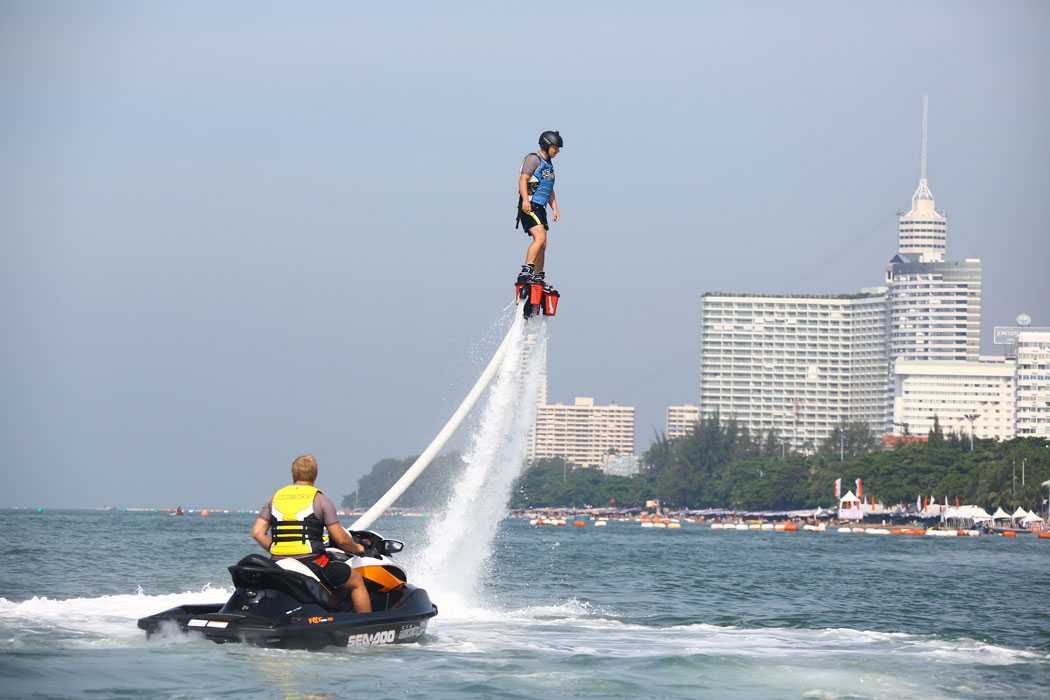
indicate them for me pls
(282, 603)
(536, 298)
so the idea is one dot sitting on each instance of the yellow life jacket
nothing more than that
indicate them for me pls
(294, 528)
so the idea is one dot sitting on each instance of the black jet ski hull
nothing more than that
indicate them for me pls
(299, 625)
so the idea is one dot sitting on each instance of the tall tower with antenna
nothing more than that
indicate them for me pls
(935, 304)
(923, 231)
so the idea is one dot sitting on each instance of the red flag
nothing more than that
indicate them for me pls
(860, 489)
(956, 501)
(838, 488)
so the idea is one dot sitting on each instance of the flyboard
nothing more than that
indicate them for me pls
(536, 298)
(283, 603)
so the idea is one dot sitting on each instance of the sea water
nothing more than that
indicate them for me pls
(613, 612)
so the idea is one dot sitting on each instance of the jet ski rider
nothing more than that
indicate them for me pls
(535, 194)
(292, 524)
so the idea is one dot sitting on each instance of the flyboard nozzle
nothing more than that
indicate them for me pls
(535, 294)
(550, 302)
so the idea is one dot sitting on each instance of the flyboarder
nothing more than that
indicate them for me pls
(535, 194)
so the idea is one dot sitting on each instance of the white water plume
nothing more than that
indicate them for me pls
(459, 538)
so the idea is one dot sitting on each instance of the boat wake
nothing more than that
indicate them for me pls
(569, 628)
(90, 620)
(577, 628)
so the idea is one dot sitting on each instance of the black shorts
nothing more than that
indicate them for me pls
(536, 217)
(332, 573)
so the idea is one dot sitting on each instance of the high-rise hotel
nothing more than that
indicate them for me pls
(798, 365)
(935, 330)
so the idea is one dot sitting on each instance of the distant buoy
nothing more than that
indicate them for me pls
(40, 509)
(579, 523)
(1009, 533)
(204, 513)
(1044, 535)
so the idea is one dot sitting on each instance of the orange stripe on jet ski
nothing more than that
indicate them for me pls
(379, 575)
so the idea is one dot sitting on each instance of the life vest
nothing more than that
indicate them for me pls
(294, 528)
(541, 182)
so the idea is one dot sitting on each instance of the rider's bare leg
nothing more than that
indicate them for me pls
(537, 249)
(358, 593)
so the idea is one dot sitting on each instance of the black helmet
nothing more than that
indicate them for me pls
(551, 138)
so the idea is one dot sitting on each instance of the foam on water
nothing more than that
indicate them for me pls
(110, 617)
(577, 628)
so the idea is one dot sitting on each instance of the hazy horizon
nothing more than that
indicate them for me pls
(232, 235)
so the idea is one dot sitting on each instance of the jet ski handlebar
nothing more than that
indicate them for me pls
(374, 544)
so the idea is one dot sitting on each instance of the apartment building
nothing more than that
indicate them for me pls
(583, 432)
(680, 420)
(1033, 384)
(961, 396)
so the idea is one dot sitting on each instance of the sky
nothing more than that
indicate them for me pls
(233, 233)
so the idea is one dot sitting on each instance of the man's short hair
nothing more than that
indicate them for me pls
(304, 468)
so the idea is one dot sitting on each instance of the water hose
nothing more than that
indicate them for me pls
(423, 461)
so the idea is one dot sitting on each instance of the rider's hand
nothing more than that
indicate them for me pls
(555, 215)
(526, 205)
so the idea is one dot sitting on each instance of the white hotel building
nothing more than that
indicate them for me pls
(935, 309)
(582, 433)
(1033, 384)
(798, 365)
(951, 391)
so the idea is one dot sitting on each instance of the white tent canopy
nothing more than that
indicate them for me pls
(1019, 513)
(974, 513)
(1000, 514)
(979, 514)
(849, 498)
(1031, 518)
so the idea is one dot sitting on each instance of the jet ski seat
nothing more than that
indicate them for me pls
(287, 575)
